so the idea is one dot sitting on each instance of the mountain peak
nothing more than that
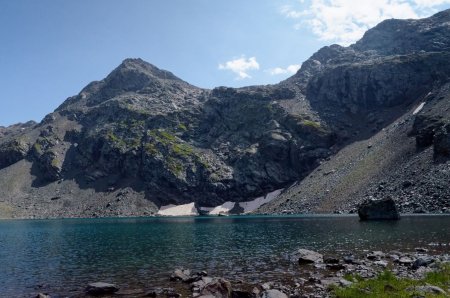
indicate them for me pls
(137, 65)
(398, 37)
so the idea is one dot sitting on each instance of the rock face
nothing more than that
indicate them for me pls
(142, 138)
(378, 209)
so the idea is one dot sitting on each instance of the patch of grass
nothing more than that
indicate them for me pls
(175, 145)
(174, 166)
(151, 149)
(440, 278)
(115, 139)
(387, 285)
(37, 148)
(54, 162)
(182, 149)
(312, 124)
(182, 127)
(6, 210)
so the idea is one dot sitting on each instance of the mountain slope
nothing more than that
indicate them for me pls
(142, 139)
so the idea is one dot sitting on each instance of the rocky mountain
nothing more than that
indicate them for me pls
(369, 120)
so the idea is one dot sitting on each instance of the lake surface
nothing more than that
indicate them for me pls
(62, 256)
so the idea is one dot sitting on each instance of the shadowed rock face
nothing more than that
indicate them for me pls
(144, 128)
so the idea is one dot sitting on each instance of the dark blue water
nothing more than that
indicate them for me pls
(61, 256)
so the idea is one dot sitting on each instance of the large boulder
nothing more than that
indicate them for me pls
(442, 141)
(378, 209)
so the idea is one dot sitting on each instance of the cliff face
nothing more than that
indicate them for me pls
(143, 138)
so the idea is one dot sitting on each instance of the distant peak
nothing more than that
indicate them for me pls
(141, 66)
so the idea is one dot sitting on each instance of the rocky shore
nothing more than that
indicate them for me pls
(319, 275)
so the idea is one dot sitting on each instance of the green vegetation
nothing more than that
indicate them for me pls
(387, 285)
(174, 166)
(312, 124)
(54, 162)
(151, 149)
(115, 139)
(182, 149)
(182, 127)
(6, 210)
(37, 148)
(172, 143)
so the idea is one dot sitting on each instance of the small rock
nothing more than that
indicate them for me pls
(273, 294)
(349, 259)
(335, 266)
(421, 262)
(308, 256)
(405, 261)
(381, 263)
(42, 295)
(327, 282)
(101, 288)
(345, 283)
(219, 288)
(331, 260)
(202, 273)
(181, 274)
(375, 255)
(428, 289)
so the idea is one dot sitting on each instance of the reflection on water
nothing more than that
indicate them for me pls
(67, 254)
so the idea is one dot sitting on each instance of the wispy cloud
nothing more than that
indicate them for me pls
(240, 66)
(345, 21)
(291, 69)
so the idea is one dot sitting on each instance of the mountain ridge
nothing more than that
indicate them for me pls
(142, 138)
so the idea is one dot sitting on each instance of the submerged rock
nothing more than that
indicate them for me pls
(378, 209)
(101, 288)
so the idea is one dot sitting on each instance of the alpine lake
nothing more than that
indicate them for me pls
(62, 256)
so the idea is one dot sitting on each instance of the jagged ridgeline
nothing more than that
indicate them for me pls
(142, 138)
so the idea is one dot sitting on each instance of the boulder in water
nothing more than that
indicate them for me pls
(378, 209)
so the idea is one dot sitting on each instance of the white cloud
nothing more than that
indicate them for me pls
(430, 3)
(291, 69)
(241, 66)
(345, 21)
(289, 12)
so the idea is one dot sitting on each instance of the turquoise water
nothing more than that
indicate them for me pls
(62, 256)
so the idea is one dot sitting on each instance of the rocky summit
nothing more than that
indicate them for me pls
(361, 122)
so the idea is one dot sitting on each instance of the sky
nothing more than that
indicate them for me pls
(51, 49)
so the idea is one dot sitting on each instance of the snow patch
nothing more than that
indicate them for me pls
(178, 210)
(221, 209)
(419, 108)
(258, 202)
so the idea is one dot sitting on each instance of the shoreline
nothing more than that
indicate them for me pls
(301, 215)
(318, 276)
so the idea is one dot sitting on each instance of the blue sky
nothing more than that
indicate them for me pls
(51, 49)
